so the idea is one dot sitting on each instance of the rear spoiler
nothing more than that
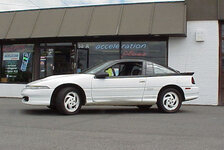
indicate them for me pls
(187, 73)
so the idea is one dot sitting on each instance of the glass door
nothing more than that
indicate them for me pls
(57, 58)
(82, 59)
(46, 62)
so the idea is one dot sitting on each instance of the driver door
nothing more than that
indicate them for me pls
(125, 83)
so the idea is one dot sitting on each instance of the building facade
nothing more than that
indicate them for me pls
(187, 35)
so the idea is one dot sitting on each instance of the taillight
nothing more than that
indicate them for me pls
(192, 80)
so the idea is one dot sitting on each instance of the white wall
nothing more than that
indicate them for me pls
(11, 90)
(187, 55)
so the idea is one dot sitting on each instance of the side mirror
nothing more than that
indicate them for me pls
(102, 75)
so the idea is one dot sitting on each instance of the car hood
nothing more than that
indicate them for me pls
(58, 78)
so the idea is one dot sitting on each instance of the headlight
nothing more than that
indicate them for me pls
(36, 87)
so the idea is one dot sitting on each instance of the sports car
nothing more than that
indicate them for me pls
(124, 82)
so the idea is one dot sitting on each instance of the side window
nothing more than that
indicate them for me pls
(136, 69)
(125, 69)
(149, 69)
(115, 69)
(160, 70)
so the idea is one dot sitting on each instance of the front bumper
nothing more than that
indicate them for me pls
(37, 96)
(191, 93)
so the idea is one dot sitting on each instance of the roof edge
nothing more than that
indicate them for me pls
(102, 5)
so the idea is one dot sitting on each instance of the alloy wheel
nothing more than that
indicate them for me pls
(170, 101)
(71, 101)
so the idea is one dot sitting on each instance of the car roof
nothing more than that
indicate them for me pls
(130, 60)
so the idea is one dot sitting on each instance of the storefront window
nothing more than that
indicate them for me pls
(17, 63)
(100, 51)
(222, 50)
(46, 62)
(0, 62)
(56, 58)
(155, 51)
(222, 30)
(223, 45)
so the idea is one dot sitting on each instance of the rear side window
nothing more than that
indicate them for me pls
(160, 70)
(149, 69)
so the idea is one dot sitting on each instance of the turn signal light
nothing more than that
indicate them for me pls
(192, 80)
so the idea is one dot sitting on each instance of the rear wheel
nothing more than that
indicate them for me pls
(169, 100)
(68, 101)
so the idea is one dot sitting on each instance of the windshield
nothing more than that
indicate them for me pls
(97, 68)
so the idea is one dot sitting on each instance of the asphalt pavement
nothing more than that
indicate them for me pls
(24, 127)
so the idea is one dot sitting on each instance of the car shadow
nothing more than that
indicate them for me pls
(95, 111)
(38, 112)
(117, 111)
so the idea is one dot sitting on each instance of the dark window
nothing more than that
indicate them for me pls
(46, 62)
(1, 75)
(56, 58)
(63, 58)
(223, 45)
(221, 100)
(154, 51)
(125, 69)
(83, 59)
(100, 52)
(17, 63)
(222, 30)
(222, 55)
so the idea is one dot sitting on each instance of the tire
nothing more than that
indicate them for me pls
(144, 107)
(169, 100)
(68, 101)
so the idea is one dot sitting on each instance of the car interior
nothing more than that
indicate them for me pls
(125, 69)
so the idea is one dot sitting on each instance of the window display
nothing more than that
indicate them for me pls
(17, 63)
(155, 51)
(65, 58)
(100, 52)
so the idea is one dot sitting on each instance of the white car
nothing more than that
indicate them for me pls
(125, 82)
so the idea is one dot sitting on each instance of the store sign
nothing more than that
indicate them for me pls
(10, 56)
(18, 48)
(135, 46)
(133, 53)
(114, 45)
(107, 46)
(111, 46)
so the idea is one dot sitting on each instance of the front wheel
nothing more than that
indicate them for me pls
(169, 100)
(68, 101)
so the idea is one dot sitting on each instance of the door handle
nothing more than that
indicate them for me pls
(142, 81)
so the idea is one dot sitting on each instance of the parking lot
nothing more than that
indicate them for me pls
(25, 127)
